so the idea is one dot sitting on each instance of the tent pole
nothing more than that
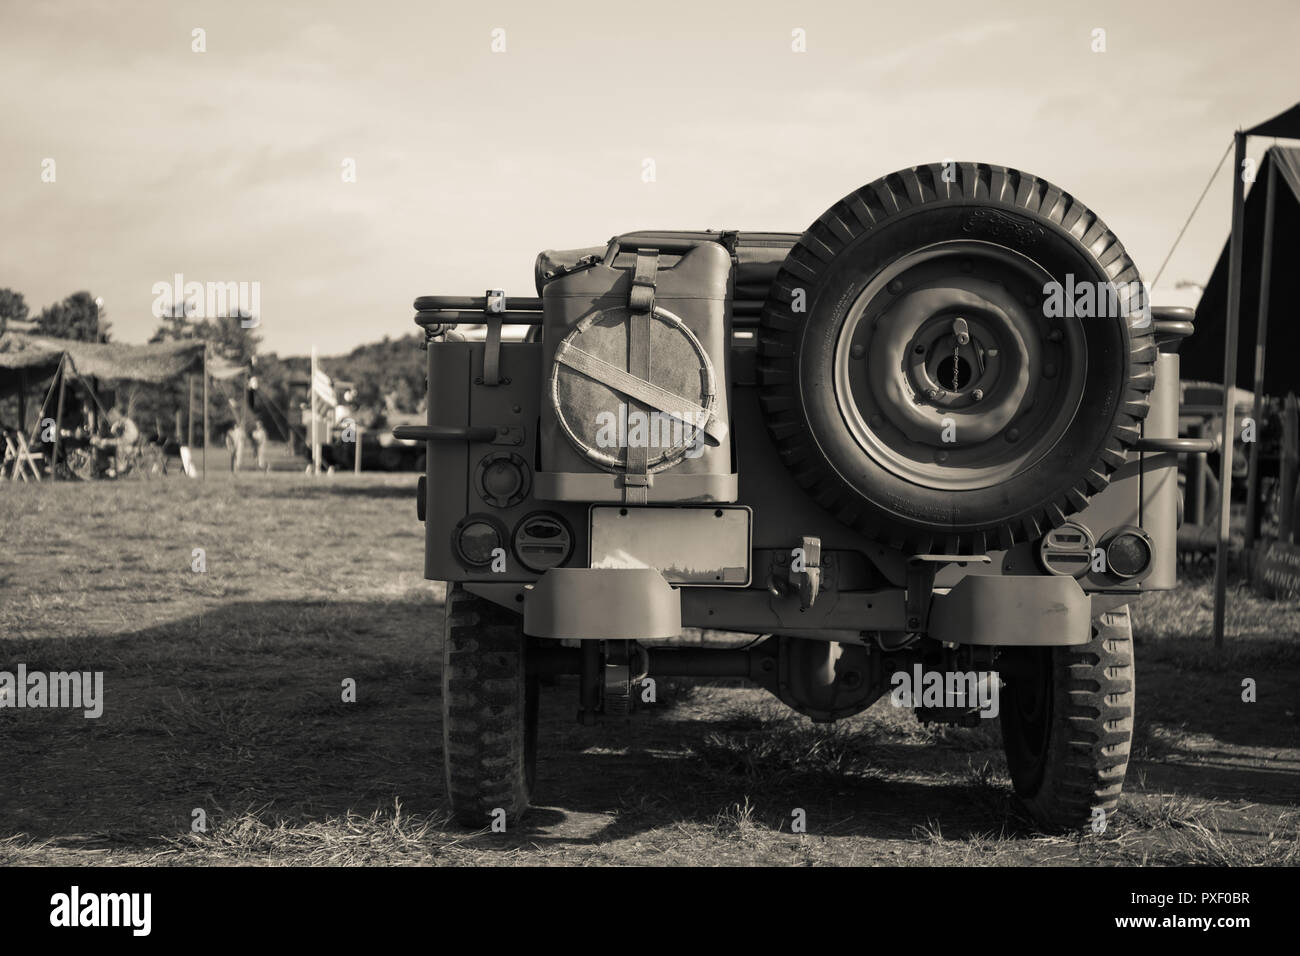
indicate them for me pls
(58, 415)
(22, 400)
(311, 406)
(205, 410)
(1261, 333)
(1229, 379)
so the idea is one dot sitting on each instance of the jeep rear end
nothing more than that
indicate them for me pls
(878, 446)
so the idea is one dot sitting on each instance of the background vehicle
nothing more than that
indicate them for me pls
(894, 449)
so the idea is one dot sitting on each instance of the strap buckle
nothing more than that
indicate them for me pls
(494, 307)
(642, 296)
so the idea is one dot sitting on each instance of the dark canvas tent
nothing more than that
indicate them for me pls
(1202, 356)
(1279, 181)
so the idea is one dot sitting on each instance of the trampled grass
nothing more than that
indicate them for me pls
(223, 695)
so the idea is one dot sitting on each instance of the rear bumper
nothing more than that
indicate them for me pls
(614, 604)
(1013, 610)
(638, 604)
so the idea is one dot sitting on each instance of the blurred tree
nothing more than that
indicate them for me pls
(77, 317)
(395, 367)
(228, 340)
(225, 333)
(12, 306)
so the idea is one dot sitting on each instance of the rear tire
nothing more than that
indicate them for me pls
(1067, 726)
(489, 711)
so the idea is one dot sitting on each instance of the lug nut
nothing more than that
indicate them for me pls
(933, 394)
(858, 351)
(977, 394)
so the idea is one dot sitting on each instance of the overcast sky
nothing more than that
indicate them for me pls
(227, 165)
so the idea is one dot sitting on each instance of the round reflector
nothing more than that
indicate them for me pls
(475, 539)
(1128, 554)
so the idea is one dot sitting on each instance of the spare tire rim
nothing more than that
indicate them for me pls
(949, 374)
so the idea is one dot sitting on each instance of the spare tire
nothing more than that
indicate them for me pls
(934, 371)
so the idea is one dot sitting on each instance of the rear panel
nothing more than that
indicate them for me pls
(1142, 493)
(455, 487)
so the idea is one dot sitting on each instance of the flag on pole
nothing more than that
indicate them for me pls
(323, 397)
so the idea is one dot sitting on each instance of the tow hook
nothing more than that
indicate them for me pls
(805, 572)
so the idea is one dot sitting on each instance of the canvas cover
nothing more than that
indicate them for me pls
(35, 358)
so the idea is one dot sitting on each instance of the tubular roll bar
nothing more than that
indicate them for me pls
(431, 310)
(1178, 446)
(480, 433)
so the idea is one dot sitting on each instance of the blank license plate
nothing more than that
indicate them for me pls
(688, 546)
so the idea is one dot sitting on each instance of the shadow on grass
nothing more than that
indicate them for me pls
(242, 710)
(388, 485)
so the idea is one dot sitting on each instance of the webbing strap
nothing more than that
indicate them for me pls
(492, 351)
(656, 396)
(641, 303)
(494, 306)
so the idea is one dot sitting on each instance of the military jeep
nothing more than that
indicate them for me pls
(925, 449)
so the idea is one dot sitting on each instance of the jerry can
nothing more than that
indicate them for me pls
(635, 404)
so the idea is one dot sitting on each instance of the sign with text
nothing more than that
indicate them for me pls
(1277, 570)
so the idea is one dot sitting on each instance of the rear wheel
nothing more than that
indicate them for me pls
(1067, 725)
(489, 711)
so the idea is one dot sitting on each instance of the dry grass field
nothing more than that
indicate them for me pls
(223, 693)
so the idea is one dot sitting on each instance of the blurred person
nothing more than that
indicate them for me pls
(123, 438)
(235, 445)
(259, 445)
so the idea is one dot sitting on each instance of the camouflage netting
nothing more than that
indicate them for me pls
(37, 357)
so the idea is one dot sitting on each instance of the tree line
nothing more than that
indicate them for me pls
(389, 372)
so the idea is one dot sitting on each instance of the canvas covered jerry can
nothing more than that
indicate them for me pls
(635, 376)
